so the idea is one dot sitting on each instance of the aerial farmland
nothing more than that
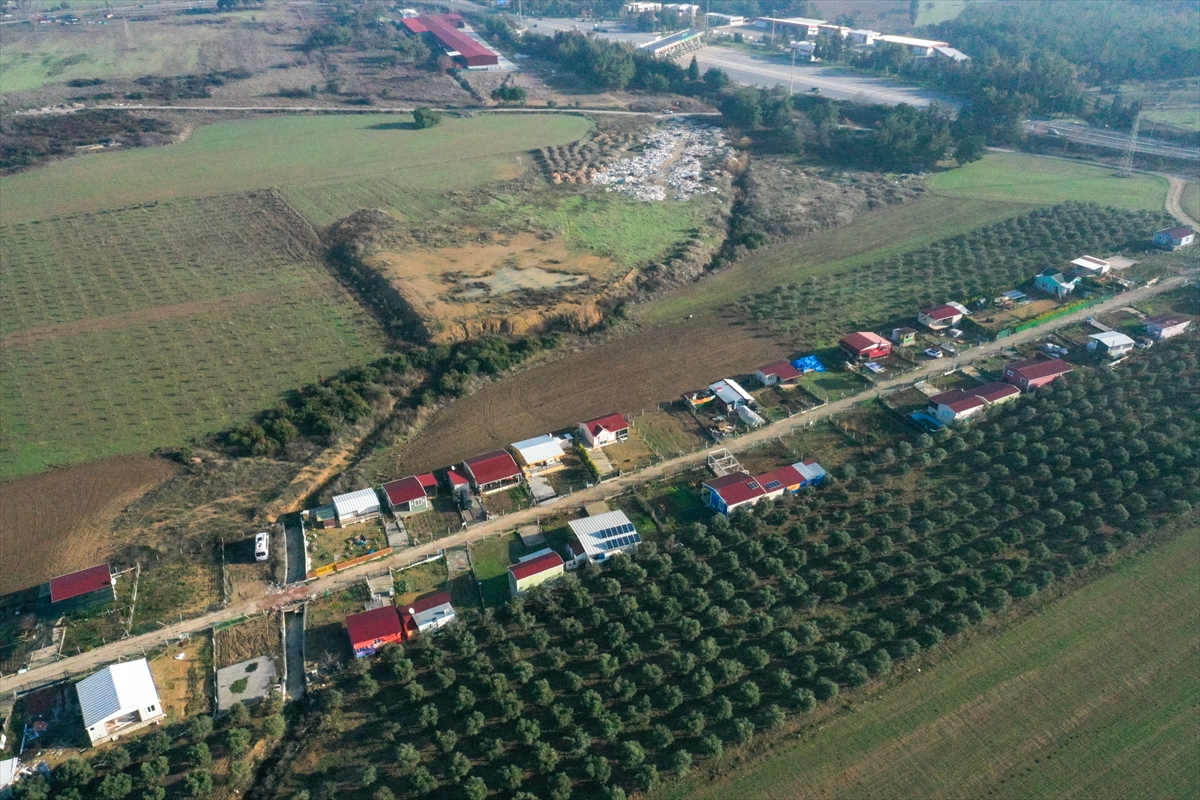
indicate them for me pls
(453, 401)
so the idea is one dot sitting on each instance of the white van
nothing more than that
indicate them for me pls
(262, 546)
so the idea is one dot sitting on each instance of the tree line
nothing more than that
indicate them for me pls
(623, 675)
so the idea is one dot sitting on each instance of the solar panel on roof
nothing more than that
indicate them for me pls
(773, 485)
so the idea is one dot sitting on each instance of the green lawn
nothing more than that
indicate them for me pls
(1030, 179)
(934, 11)
(490, 559)
(871, 237)
(1188, 118)
(1189, 201)
(1095, 696)
(328, 166)
(141, 328)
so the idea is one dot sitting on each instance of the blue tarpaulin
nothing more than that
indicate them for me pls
(809, 364)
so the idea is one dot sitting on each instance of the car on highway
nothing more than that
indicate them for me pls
(933, 352)
(815, 90)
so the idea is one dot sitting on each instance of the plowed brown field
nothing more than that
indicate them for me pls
(628, 374)
(59, 521)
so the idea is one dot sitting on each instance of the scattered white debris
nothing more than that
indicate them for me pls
(673, 159)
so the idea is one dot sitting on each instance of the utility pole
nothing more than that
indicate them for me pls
(1127, 160)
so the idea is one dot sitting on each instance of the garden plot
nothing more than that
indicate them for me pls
(677, 160)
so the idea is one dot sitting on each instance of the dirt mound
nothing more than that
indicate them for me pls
(61, 520)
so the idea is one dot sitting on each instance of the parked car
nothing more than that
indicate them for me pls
(933, 352)
(1143, 343)
(815, 90)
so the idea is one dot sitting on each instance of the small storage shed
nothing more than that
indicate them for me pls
(406, 496)
(354, 507)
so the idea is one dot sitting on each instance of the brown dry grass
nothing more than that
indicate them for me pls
(255, 637)
(631, 453)
(61, 520)
(670, 433)
(184, 686)
(631, 373)
(527, 279)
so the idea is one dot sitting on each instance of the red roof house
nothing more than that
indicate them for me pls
(77, 584)
(1031, 374)
(428, 483)
(729, 492)
(865, 344)
(371, 630)
(493, 472)
(778, 373)
(406, 496)
(940, 317)
(533, 571)
(1164, 326)
(427, 614)
(604, 430)
(958, 404)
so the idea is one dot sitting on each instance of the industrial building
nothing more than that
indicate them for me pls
(445, 29)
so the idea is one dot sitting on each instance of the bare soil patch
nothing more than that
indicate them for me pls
(633, 373)
(502, 284)
(61, 520)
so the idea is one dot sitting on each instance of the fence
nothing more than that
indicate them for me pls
(341, 565)
(1041, 319)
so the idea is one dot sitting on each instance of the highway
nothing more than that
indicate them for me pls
(294, 594)
(1113, 140)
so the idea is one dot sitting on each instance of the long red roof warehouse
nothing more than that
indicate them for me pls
(74, 584)
(475, 54)
(492, 467)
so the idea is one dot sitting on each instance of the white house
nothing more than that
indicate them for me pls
(1088, 266)
(1164, 326)
(944, 316)
(1175, 238)
(602, 536)
(606, 430)
(730, 394)
(353, 507)
(1110, 343)
(118, 700)
(864, 37)
(540, 454)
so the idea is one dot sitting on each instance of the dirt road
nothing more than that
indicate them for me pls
(1172, 203)
(135, 646)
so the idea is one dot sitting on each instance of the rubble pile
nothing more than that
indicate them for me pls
(673, 160)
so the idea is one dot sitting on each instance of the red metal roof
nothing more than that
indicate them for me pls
(533, 566)
(404, 490)
(427, 480)
(996, 391)
(454, 39)
(864, 340)
(492, 467)
(611, 423)
(1166, 320)
(782, 369)
(426, 603)
(74, 584)
(1036, 368)
(956, 400)
(785, 476)
(1178, 233)
(415, 25)
(456, 478)
(736, 487)
(942, 312)
(378, 623)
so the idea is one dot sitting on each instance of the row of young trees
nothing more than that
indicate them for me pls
(623, 674)
(177, 761)
(981, 263)
(420, 376)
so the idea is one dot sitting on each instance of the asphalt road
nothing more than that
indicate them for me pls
(1100, 137)
(134, 646)
(754, 69)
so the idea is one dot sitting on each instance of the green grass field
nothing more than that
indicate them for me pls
(327, 166)
(1095, 696)
(1029, 179)
(934, 11)
(135, 329)
(1189, 201)
(1188, 118)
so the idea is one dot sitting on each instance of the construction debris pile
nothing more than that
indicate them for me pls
(673, 160)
